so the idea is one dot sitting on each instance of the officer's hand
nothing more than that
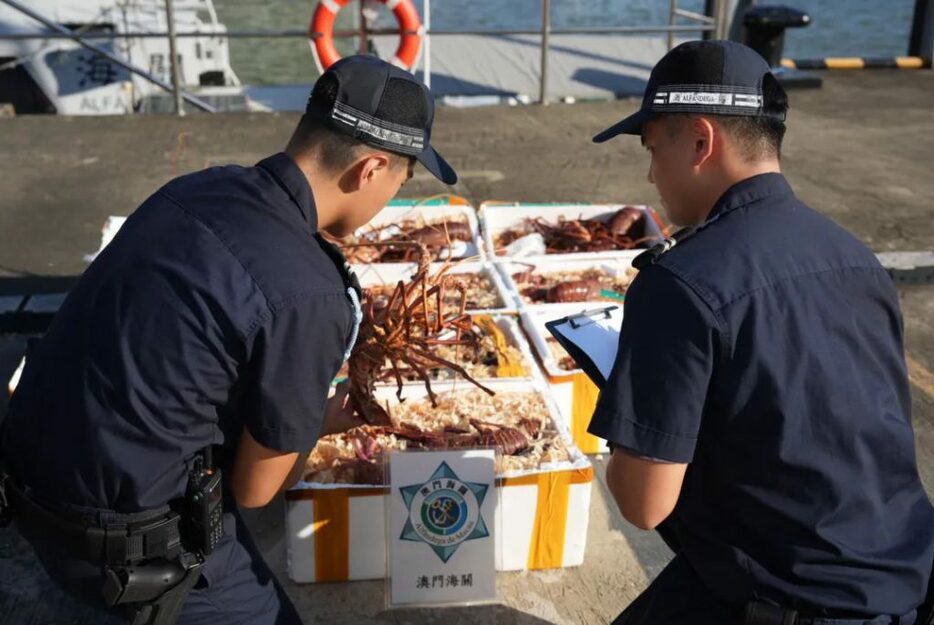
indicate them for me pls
(339, 414)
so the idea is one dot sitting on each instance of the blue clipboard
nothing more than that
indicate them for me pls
(591, 338)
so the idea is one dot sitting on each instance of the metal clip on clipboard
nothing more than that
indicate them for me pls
(587, 317)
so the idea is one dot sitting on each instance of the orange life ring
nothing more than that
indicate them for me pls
(321, 32)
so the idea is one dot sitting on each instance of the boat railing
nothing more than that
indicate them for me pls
(714, 22)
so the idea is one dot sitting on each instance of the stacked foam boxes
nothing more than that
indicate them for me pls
(574, 392)
(336, 532)
(471, 258)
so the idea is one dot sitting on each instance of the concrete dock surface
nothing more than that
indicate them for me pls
(860, 150)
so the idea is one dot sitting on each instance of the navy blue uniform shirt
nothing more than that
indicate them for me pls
(766, 351)
(215, 307)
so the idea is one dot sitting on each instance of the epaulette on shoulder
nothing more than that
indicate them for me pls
(651, 255)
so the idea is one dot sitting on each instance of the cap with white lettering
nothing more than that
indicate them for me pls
(713, 77)
(380, 105)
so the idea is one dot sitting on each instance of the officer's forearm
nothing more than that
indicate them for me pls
(260, 473)
(297, 472)
(645, 491)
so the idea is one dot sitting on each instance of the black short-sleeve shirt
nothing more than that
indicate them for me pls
(215, 307)
(766, 350)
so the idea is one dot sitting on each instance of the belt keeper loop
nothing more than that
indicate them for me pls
(96, 544)
(115, 544)
(758, 613)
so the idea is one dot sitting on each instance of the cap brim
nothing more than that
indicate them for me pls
(632, 125)
(437, 166)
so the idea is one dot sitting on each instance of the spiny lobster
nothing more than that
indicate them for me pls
(402, 329)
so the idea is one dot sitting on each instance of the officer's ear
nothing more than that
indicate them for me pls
(703, 134)
(366, 170)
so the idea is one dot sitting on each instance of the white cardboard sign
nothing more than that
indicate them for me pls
(441, 522)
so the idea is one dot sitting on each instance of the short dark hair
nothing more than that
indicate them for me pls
(755, 137)
(759, 137)
(335, 150)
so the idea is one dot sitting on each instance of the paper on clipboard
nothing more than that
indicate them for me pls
(595, 335)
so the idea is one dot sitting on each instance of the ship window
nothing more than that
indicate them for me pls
(19, 89)
(89, 29)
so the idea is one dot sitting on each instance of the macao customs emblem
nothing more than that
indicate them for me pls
(444, 512)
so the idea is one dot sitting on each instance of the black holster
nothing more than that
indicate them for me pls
(152, 593)
(146, 572)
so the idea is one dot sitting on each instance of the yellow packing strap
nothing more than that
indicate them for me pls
(507, 365)
(331, 527)
(546, 549)
(332, 535)
(584, 394)
(549, 529)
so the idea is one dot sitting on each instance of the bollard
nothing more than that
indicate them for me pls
(765, 30)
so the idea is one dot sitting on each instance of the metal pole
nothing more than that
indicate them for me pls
(104, 53)
(426, 66)
(546, 34)
(722, 19)
(710, 8)
(733, 28)
(921, 39)
(363, 48)
(173, 54)
(693, 15)
(673, 10)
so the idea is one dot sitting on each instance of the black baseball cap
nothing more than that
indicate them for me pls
(380, 105)
(714, 77)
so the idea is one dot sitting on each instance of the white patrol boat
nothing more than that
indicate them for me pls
(55, 74)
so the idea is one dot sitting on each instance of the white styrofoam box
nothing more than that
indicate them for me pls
(504, 385)
(612, 265)
(391, 273)
(514, 337)
(573, 392)
(533, 321)
(431, 214)
(336, 532)
(497, 217)
(392, 214)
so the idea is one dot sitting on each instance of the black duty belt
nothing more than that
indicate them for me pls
(146, 574)
(113, 544)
